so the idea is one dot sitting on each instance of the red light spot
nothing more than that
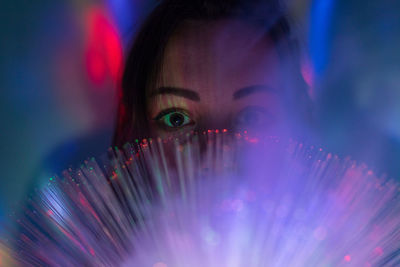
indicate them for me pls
(224, 130)
(96, 66)
(144, 146)
(50, 213)
(378, 251)
(347, 258)
(103, 49)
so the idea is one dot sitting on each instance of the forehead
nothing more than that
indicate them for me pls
(225, 54)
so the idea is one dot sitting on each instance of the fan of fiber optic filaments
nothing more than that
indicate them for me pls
(214, 199)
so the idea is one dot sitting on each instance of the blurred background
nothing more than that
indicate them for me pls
(60, 65)
(61, 61)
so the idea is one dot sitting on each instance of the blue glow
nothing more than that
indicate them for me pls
(320, 37)
(123, 12)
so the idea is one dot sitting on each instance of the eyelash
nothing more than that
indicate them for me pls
(168, 111)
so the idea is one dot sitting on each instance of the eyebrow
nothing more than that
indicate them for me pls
(243, 92)
(186, 93)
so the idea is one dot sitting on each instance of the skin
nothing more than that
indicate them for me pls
(217, 75)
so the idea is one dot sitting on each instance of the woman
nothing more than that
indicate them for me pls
(202, 64)
(196, 65)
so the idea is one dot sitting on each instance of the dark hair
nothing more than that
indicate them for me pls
(144, 60)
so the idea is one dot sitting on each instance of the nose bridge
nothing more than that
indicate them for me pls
(217, 120)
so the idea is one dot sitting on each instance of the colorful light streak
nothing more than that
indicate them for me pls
(320, 32)
(234, 202)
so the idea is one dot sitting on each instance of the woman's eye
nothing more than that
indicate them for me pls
(174, 119)
(253, 117)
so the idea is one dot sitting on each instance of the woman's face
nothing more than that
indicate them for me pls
(216, 75)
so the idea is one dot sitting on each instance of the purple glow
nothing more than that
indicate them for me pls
(235, 203)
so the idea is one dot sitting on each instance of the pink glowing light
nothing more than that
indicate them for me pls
(103, 48)
(307, 72)
(378, 251)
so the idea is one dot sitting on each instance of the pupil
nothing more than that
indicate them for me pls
(176, 119)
